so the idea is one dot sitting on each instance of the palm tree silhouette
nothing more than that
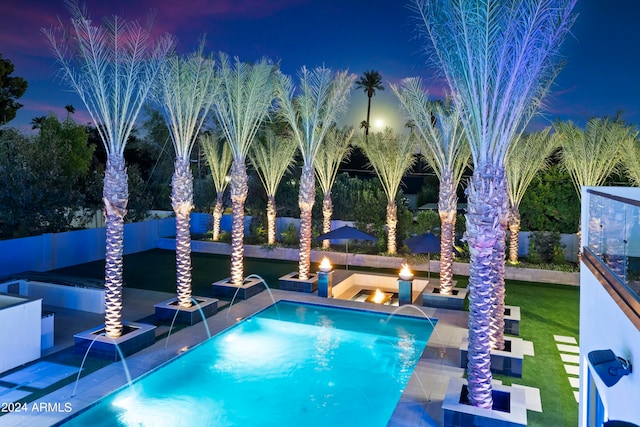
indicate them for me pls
(370, 81)
(70, 110)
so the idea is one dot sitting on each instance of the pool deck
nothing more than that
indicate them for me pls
(420, 404)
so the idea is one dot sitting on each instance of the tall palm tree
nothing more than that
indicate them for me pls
(335, 148)
(591, 155)
(241, 104)
(272, 155)
(443, 143)
(499, 60)
(219, 158)
(70, 110)
(112, 68)
(390, 155)
(526, 156)
(184, 92)
(322, 97)
(370, 81)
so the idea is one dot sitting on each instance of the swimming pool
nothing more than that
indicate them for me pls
(292, 364)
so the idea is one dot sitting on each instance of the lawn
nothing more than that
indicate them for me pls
(546, 310)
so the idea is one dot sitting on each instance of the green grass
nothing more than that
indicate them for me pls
(546, 310)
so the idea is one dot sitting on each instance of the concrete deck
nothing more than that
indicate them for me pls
(420, 404)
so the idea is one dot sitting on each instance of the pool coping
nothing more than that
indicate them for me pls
(97, 385)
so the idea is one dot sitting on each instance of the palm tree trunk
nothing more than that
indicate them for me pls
(447, 208)
(305, 201)
(514, 230)
(182, 203)
(238, 190)
(218, 210)
(115, 196)
(486, 204)
(392, 222)
(498, 264)
(366, 131)
(271, 219)
(579, 234)
(327, 211)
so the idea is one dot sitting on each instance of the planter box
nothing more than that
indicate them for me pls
(512, 320)
(47, 330)
(169, 310)
(506, 362)
(135, 337)
(509, 407)
(84, 298)
(225, 289)
(432, 297)
(291, 282)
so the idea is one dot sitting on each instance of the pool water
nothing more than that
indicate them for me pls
(291, 364)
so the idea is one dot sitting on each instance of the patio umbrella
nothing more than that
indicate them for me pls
(346, 233)
(427, 243)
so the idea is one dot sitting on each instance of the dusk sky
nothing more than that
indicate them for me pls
(601, 75)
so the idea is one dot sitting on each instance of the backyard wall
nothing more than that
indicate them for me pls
(51, 251)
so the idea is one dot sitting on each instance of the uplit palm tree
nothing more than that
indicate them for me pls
(526, 156)
(444, 146)
(335, 148)
(272, 155)
(242, 103)
(591, 155)
(390, 155)
(498, 60)
(322, 97)
(112, 68)
(370, 81)
(219, 158)
(184, 92)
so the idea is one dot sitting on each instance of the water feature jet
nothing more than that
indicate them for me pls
(124, 363)
(264, 282)
(204, 320)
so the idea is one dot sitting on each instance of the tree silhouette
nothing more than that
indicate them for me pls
(11, 88)
(370, 81)
(70, 110)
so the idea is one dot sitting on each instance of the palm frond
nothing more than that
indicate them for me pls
(438, 126)
(390, 155)
(498, 60)
(528, 155)
(631, 160)
(590, 156)
(243, 101)
(184, 91)
(218, 155)
(272, 156)
(335, 148)
(112, 68)
(322, 97)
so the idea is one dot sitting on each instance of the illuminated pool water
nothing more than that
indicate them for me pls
(291, 364)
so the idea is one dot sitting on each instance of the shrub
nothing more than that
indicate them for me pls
(427, 221)
(545, 247)
(289, 236)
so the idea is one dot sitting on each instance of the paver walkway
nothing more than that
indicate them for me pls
(570, 355)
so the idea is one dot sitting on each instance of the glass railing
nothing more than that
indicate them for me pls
(613, 236)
